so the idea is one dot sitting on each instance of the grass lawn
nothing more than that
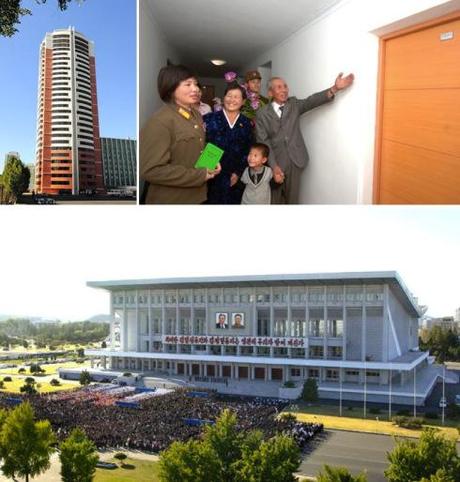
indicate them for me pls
(50, 369)
(45, 387)
(352, 422)
(134, 470)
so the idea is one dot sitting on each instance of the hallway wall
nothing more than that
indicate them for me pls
(153, 54)
(340, 136)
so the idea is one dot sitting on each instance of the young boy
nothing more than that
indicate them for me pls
(257, 176)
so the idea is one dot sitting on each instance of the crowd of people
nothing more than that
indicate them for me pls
(160, 420)
(173, 140)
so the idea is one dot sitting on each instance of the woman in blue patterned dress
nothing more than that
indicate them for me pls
(232, 132)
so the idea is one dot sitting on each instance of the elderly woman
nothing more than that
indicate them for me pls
(232, 132)
(171, 142)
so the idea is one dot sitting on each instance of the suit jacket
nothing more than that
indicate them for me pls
(170, 145)
(283, 136)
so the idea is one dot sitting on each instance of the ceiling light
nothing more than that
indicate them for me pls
(218, 62)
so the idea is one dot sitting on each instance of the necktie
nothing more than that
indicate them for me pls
(281, 111)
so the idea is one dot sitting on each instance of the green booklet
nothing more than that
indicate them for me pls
(210, 157)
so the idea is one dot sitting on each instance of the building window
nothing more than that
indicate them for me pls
(332, 374)
(335, 352)
(295, 372)
(316, 295)
(170, 298)
(352, 373)
(263, 324)
(184, 296)
(214, 296)
(335, 328)
(372, 374)
(280, 295)
(280, 352)
(263, 296)
(317, 327)
(313, 373)
(316, 352)
(263, 350)
(297, 296)
(298, 353)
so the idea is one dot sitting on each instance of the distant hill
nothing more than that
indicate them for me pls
(100, 318)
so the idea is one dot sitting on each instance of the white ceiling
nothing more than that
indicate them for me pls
(234, 30)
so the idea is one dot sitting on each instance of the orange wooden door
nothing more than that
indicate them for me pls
(418, 138)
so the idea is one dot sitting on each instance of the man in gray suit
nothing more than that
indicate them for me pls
(277, 125)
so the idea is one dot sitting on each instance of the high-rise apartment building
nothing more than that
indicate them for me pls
(119, 161)
(69, 157)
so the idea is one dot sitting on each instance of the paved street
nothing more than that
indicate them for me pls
(356, 451)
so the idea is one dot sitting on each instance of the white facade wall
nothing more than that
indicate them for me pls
(154, 52)
(340, 137)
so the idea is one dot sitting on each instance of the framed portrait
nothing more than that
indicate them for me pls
(222, 320)
(237, 320)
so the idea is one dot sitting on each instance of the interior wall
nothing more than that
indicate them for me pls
(340, 136)
(218, 83)
(154, 52)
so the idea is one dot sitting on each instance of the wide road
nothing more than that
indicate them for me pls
(356, 451)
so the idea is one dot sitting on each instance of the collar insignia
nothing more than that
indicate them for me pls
(184, 113)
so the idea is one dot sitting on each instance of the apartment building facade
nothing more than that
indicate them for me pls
(120, 162)
(68, 151)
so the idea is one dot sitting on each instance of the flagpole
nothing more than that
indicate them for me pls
(365, 386)
(443, 390)
(340, 405)
(389, 402)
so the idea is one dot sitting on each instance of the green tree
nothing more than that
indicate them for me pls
(412, 460)
(275, 460)
(121, 456)
(226, 441)
(310, 390)
(16, 177)
(227, 454)
(192, 461)
(29, 386)
(11, 12)
(78, 457)
(439, 476)
(85, 378)
(442, 342)
(339, 474)
(25, 445)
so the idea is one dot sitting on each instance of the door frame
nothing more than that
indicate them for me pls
(380, 89)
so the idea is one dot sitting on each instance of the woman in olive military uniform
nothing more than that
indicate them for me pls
(171, 143)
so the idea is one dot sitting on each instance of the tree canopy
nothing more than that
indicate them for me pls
(419, 460)
(227, 454)
(25, 445)
(78, 458)
(442, 342)
(11, 12)
(339, 474)
(15, 178)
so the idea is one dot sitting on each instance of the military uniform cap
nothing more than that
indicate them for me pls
(251, 75)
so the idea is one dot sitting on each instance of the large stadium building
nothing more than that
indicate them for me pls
(355, 333)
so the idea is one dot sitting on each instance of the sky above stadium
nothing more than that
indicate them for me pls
(111, 24)
(48, 253)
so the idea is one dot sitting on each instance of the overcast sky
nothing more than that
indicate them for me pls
(48, 253)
